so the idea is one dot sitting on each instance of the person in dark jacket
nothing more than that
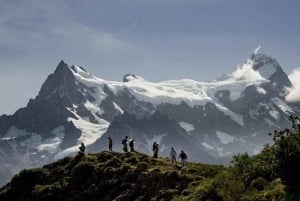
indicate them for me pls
(124, 143)
(110, 143)
(131, 145)
(183, 157)
(81, 149)
(155, 150)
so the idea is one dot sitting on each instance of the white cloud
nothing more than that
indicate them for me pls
(294, 91)
(247, 72)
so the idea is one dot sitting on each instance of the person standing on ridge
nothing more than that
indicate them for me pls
(124, 143)
(131, 145)
(110, 143)
(183, 157)
(173, 155)
(155, 150)
(81, 149)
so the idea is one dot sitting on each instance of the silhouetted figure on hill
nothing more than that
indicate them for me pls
(124, 143)
(81, 149)
(183, 157)
(110, 144)
(155, 150)
(173, 155)
(131, 145)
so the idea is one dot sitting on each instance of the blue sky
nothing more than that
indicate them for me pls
(157, 39)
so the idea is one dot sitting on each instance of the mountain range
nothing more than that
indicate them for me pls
(211, 121)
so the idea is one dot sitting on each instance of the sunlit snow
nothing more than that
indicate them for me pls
(275, 114)
(51, 144)
(90, 133)
(14, 132)
(187, 126)
(261, 90)
(206, 145)
(224, 137)
(117, 107)
(282, 105)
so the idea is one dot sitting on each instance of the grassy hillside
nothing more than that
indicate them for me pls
(132, 176)
(107, 176)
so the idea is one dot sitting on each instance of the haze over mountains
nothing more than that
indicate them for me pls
(210, 120)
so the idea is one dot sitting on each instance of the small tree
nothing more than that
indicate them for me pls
(287, 155)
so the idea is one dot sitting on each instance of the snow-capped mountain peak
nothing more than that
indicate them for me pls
(269, 68)
(78, 69)
(61, 67)
(128, 77)
(207, 119)
(264, 64)
(265, 69)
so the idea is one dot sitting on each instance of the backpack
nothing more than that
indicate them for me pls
(183, 156)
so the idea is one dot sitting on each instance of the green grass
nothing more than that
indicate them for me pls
(136, 176)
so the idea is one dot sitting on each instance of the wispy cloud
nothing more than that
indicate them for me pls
(40, 24)
(294, 91)
(247, 72)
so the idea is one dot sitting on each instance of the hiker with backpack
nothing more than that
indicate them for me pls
(173, 155)
(183, 157)
(131, 145)
(124, 143)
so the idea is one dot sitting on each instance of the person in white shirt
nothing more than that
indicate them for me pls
(173, 155)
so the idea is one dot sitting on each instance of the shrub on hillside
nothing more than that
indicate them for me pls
(46, 192)
(142, 166)
(259, 183)
(27, 179)
(82, 172)
(287, 153)
(250, 168)
(132, 160)
(287, 156)
(104, 156)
